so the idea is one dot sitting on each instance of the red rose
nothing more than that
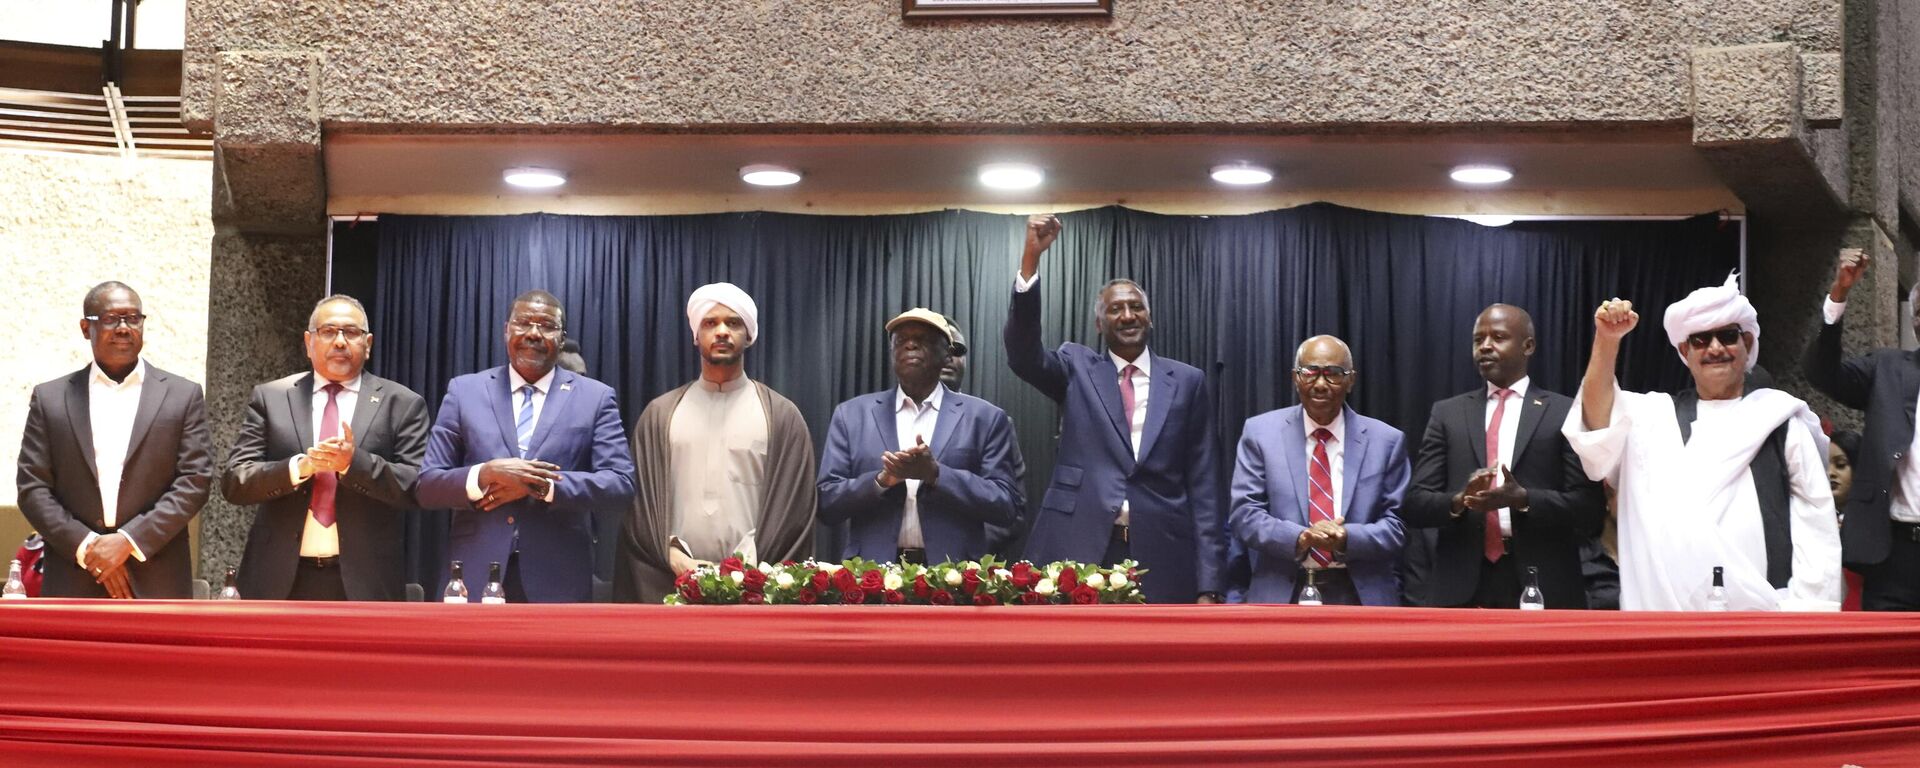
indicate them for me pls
(920, 588)
(984, 599)
(1086, 596)
(820, 581)
(853, 596)
(941, 597)
(754, 580)
(808, 597)
(1022, 575)
(970, 581)
(893, 597)
(843, 580)
(690, 591)
(1032, 598)
(683, 578)
(753, 598)
(788, 563)
(1068, 579)
(730, 565)
(873, 581)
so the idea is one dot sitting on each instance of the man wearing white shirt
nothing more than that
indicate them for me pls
(330, 455)
(114, 463)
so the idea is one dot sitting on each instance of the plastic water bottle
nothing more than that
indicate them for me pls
(1531, 598)
(456, 591)
(231, 590)
(1310, 594)
(16, 589)
(495, 594)
(1717, 597)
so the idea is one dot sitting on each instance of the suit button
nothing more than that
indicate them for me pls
(1897, 455)
(509, 519)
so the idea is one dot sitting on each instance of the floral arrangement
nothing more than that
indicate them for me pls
(863, 582)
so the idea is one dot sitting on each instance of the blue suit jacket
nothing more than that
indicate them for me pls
(579, 429)
(1270, 503)
(980, 477)
(1173, 489)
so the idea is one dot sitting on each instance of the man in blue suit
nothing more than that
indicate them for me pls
(523, 454)
(1317, 489)
(920, 471)
(1135, 475)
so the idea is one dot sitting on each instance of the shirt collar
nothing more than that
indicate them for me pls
(514, 378)
(136, 376)
(350, 385)
(1519, 388)
(1144, 362)
(1338, 427)
(736, 384)
(902, 402)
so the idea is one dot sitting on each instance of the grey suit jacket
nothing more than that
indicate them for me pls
(165, 482)
(390, 439)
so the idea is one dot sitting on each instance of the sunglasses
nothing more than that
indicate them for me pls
(1726, 336)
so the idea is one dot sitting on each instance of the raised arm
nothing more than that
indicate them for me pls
(1611, 322)
(1028, 358)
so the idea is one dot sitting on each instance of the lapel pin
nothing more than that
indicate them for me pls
(373, 399)
(566, 387)
(1539, 401)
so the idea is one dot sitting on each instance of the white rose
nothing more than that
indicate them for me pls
(784, 579)
(1003, 573)
(1053, 571)
(1096, 581)
(738, 576)
(830, 567)
(893, 580)
(766, 568)
(1045, 587)
(1119, 580)
(954, 577)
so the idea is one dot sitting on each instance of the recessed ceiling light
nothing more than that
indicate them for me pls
(1481, 174)
(535, 178)
(764, 175)
(1486, 219)
(1241, 174)
(1010, 176)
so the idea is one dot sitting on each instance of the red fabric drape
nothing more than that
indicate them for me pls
(182, 683)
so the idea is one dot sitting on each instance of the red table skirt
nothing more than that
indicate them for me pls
(258, 683)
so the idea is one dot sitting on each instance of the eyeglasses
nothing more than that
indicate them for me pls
(1726, 336)
(1323, 371)
(331, 332)
(117, 321)
(537, 326)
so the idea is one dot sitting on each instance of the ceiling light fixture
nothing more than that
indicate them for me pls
(1481, 174)
(1011, 176)
(535, 178)
(1241, 174)
(764, 175)
(1486, 219)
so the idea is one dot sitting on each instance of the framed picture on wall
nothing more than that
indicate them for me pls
(929, 9)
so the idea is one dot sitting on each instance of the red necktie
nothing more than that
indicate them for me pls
(1320, 491)
(1495, 547)
(1126, 395)
(326, 483)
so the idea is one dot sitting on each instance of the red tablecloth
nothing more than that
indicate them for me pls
(208, 683)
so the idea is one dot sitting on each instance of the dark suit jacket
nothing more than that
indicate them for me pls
(1270, 504)
(1883, 383)
(390, 439)
(165, 481)
(1565, 509)
(1173, 490)
(579, 429)
(980, 477)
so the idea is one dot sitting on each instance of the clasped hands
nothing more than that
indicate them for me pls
(106, 561)
(334, 454)
(1481, 495)
(1329, 535)
(914, 463)
(503, 481)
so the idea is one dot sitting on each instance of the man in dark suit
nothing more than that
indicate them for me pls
(1880, 524)
(1135, 475)
(1503, 493)
(114, 463)
(522, 454)
(1317, 491)
(330, 455)
(920, 471)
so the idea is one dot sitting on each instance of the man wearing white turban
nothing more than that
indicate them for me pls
(1714, 476)
(724, 464)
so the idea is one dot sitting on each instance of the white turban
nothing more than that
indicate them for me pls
(1710, 308)
(728, 295)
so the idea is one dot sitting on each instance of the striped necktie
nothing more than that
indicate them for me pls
(523, 426)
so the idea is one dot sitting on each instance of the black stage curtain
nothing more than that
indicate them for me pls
(1233, 295)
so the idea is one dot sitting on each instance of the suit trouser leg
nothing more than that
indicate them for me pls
(1499, 584)
(312, 581)
(1894, 584)
(516, 592)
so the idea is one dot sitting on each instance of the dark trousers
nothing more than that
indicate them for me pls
(318, 580)
(516, 592)
(1335, 585)
(1117, 548)
(1894, 584)
(1499, 584)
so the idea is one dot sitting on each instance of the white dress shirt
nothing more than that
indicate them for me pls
(317, 540)
(1509, 431)
(913, 423)
(1336, 471)
(112, 406)
(514, 382)
(1905, 504)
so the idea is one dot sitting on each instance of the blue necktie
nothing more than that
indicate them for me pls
(523, 427)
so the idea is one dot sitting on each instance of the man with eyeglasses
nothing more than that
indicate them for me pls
(1880, 533)
(1135, 475)
(726, 464)
(114, 462)
(1720, 476)
(330, 455)
(1317, 491)
(1501, 493)
(920, 472)
(522, 454)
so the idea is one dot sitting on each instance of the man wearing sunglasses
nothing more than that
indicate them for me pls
(1715, 477)
(1317, 490)
(114, 463)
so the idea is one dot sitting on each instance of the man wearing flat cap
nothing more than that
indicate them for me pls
(1722, 475)
(725, 464)
(919, 471)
